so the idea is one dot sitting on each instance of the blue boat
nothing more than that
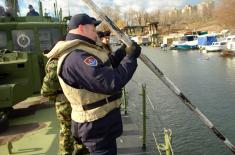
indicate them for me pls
(205, 40)
(186, 42)
(186, 47)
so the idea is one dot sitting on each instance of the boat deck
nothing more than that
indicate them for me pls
(34, 130)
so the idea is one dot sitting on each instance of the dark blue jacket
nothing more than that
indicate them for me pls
(32, 13)
(99, 78)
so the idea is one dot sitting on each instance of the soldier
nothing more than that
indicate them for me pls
(9, 8)
(52, 89)
(32, 11)
(104, 37)
(92, 81)
(2, 11)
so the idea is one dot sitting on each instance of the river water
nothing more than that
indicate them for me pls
(207, 80)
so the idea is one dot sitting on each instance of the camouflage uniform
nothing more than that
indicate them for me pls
(51, 89)
(63, 111)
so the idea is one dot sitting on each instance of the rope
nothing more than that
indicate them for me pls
(150, 102)
(158, 148)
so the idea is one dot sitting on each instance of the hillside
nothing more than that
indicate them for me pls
(209, 26)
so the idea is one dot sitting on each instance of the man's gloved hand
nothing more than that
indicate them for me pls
(121, 50)
(123, 46)
(134, 50)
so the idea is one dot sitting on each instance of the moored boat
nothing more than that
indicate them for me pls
(206, 40)
(186, 47)
(216, 47)
(186, 42)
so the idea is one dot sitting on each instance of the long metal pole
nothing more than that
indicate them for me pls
(161, 75)
(68, 8)
(40, 8)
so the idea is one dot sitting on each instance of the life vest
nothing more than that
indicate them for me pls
(88, 106)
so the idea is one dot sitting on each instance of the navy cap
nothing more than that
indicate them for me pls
(103, 34)
(30, 6)
(82, 19)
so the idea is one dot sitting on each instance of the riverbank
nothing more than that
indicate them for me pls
(208, 25)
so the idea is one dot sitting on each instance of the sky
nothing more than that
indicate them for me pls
(77, 6)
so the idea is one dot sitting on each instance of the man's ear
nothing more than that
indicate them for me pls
(80, 28)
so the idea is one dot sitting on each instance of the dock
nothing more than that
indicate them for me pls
(34, 130)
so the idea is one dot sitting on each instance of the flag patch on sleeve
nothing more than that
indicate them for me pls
(91, 61)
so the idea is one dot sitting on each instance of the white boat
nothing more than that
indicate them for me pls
(231, 43)
(216, 46)
(229, 38)
(169, 39)
(141, 40)
(113, 40)
(185, 42)
(231, 46)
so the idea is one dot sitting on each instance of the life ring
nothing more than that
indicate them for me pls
(23, 40)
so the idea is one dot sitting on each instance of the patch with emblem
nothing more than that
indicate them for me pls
(91, 61)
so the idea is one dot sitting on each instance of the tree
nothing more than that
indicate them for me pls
(154, 16)
(120, 24)
(103, 27)
(137, 16)
(146, 18)
(128, 17)
(225, 13)
(113, 12)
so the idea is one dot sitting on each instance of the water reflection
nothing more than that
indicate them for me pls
(208, 83)
(230, 63)
(174, 52)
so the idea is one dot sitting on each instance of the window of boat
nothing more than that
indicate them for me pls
(47, 38)
(3, 40)
(223, 43)
(190, 38)
(23, 40)
(229, 39)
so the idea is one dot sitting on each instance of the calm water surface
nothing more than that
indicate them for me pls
(208, 80)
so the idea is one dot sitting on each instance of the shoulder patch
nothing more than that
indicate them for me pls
(91, 61)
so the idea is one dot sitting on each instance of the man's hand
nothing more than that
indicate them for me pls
(123, 48)
(134, 50)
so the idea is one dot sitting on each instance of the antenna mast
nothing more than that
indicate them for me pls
(68, 8)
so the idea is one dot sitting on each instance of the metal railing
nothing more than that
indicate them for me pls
(167, 146)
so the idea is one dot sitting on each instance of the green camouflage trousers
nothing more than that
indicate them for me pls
(66, 142)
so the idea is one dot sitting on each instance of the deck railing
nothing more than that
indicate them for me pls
(167, 146)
